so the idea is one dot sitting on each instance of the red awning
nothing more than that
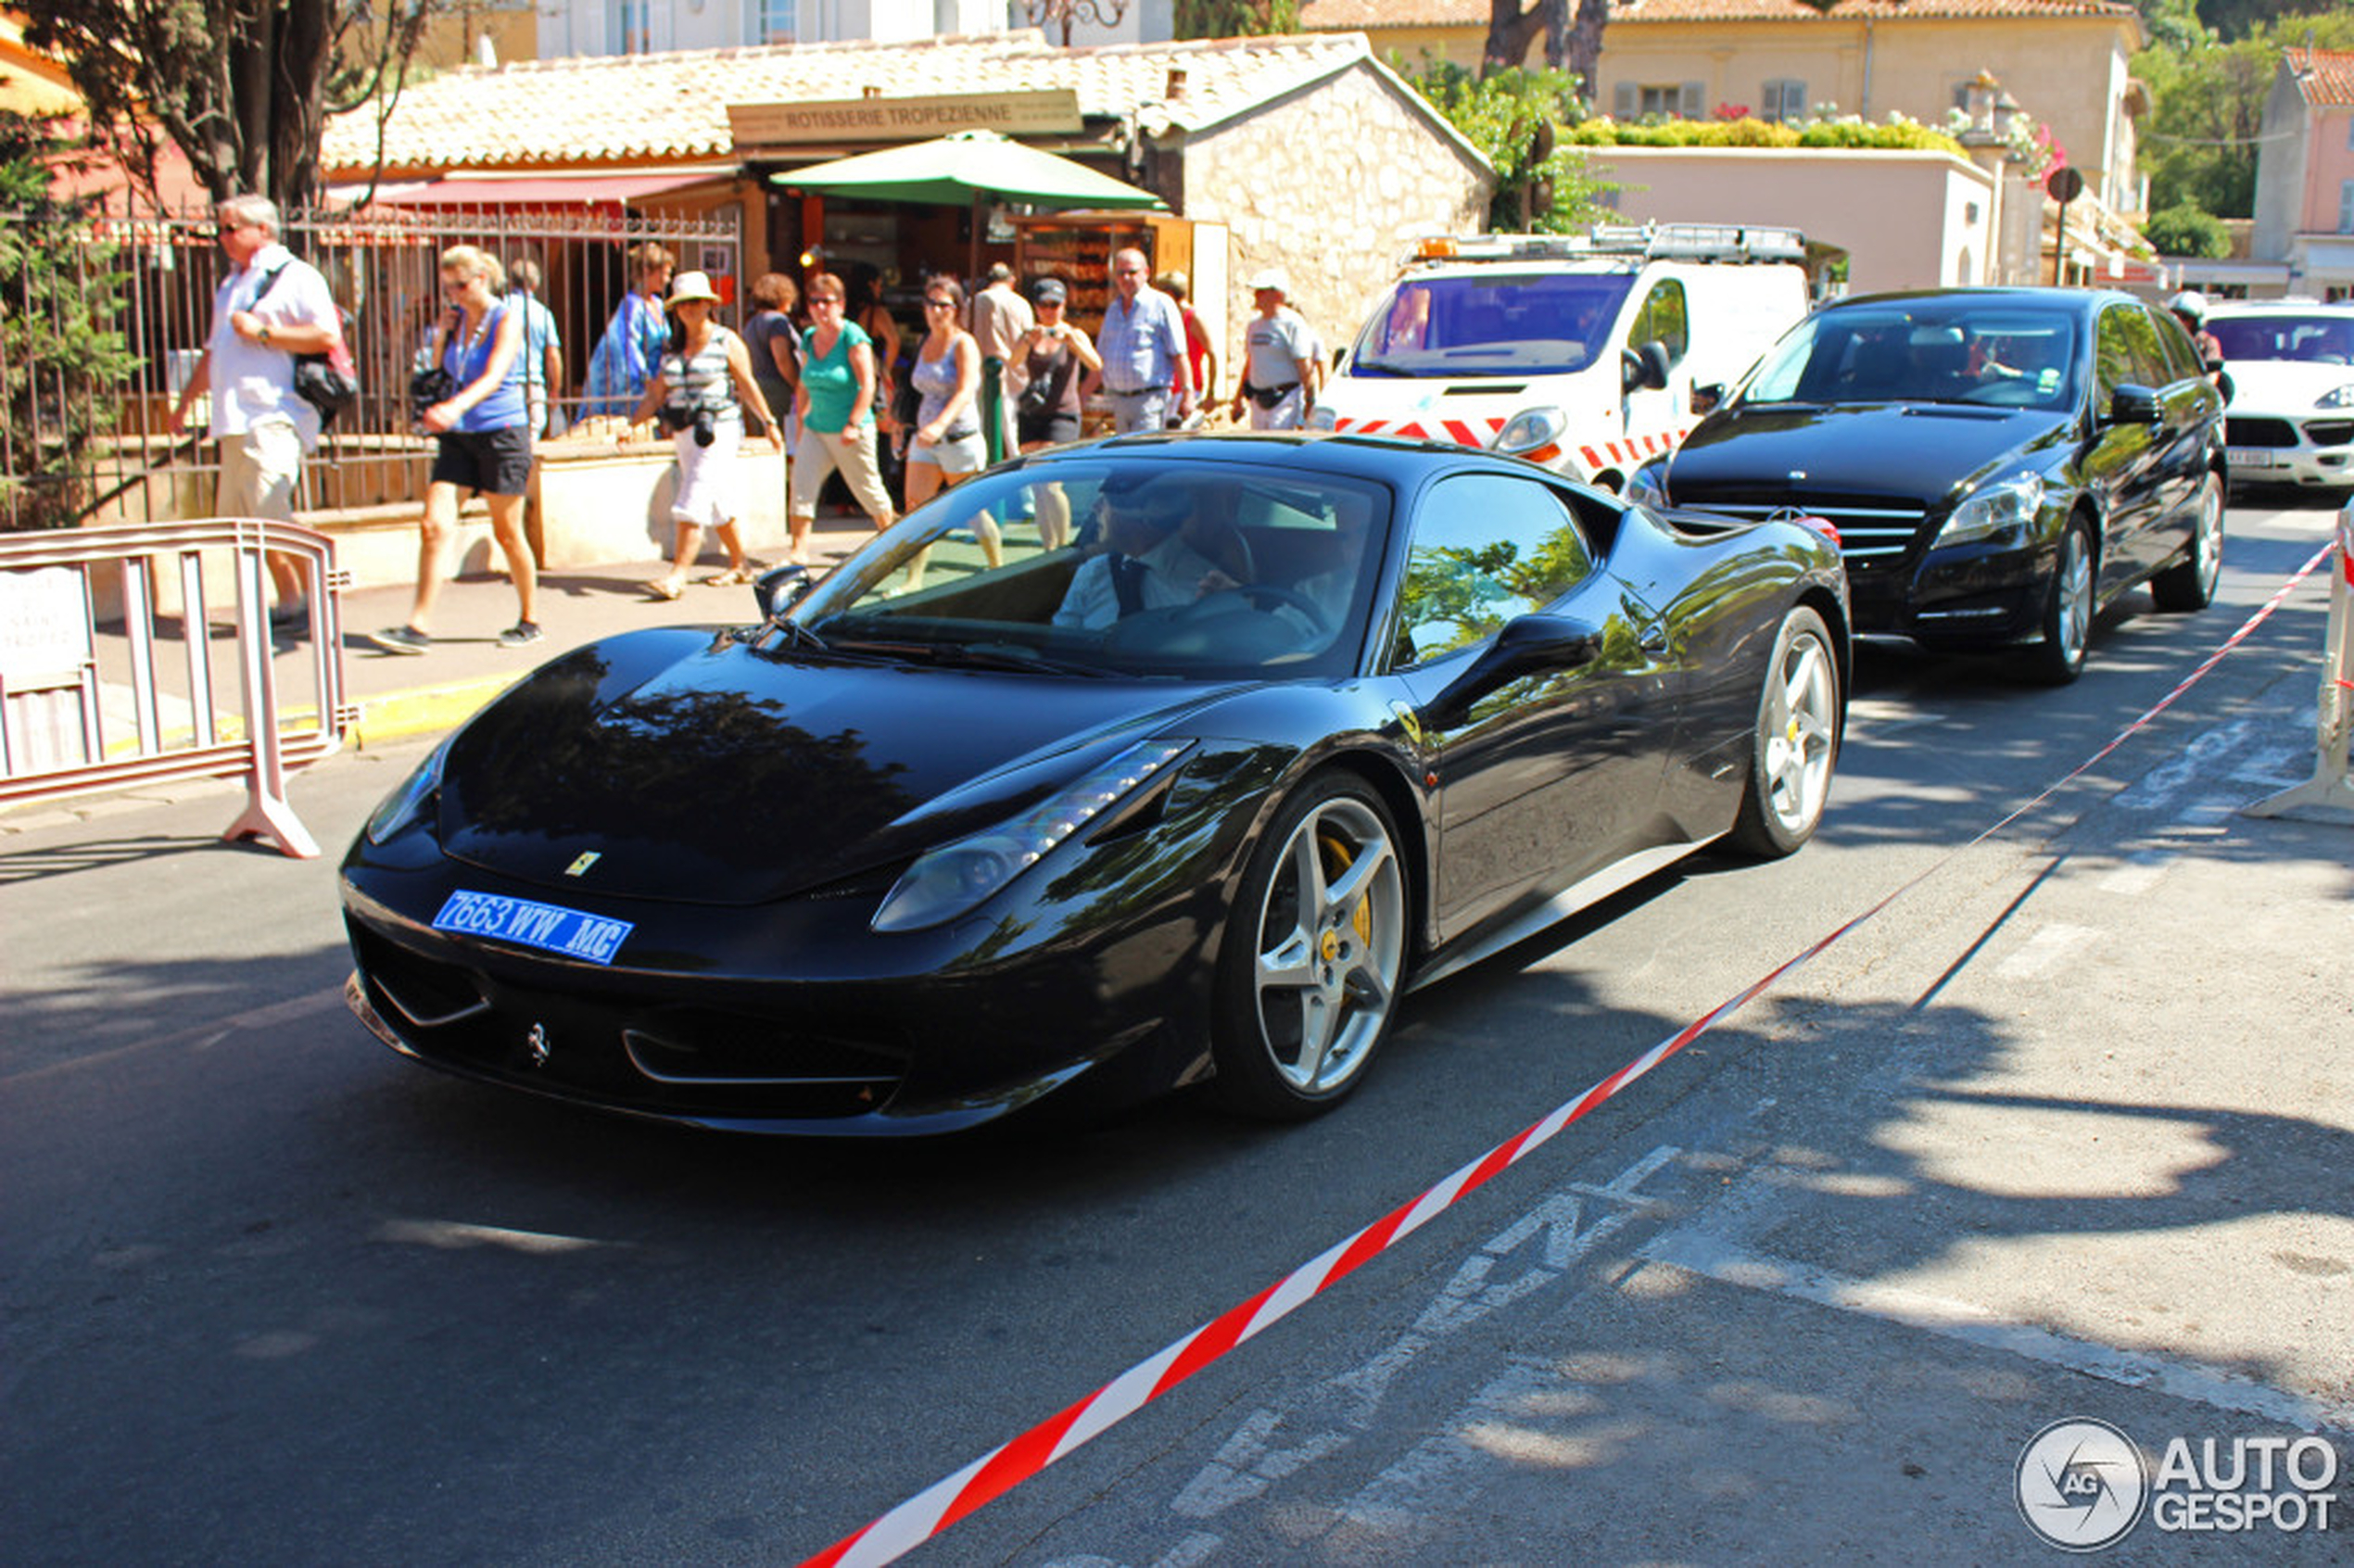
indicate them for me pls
(543, 190)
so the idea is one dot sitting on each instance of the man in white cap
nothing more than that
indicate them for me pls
(1279, 362)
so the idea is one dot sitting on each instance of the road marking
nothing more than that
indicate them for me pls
(2138, 875)
(2042, 950)
(1711, 1256)
(2160, 784)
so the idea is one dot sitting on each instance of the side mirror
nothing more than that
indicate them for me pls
(780, 587)
(1706, 399)
(1525, 645)
(1646, 366)
(2135, 405)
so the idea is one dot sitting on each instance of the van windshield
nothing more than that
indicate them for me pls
(1494, 323)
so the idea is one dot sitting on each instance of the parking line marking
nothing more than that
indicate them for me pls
(2138, 875)
(1697, 1253)
(2042, 950)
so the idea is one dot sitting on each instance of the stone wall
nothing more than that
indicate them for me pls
(1332, 185)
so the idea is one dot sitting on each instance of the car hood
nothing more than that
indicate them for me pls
(736, 775)
(2288, 387)
(1917, 452)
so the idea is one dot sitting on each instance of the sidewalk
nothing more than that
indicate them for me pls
(402, 695)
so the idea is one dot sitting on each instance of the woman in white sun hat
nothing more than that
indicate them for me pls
(701, 391)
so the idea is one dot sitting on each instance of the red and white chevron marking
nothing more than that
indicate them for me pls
(1626, 453)
(937, 1507)
(1462, 432)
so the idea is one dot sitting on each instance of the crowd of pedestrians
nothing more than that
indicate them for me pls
(816, 373)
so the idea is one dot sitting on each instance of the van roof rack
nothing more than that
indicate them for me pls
(1673, 242)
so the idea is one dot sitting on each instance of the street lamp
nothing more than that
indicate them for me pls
(1103, 13)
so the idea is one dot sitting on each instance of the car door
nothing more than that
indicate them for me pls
(2192, 410)
(2121, 461)
(1545, 774)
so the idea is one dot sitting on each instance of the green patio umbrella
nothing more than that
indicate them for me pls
(968, 166)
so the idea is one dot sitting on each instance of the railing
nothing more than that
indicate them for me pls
(82, 447)
(86, 707)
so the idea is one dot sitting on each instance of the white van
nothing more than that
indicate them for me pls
(1586, 353)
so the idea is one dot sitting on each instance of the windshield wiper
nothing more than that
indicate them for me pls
(1011, 656)
(799, 633)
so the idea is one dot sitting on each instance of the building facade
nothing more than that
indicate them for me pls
(2305, 175)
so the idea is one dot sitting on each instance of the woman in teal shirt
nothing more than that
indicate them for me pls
(836, 407)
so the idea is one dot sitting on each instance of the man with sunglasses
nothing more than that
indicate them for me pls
(271, 307)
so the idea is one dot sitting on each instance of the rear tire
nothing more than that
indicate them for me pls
(2190, 584)
(1795, 745)
(2067, 611)
(1314, 955)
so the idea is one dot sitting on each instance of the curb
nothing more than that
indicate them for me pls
(424, 711)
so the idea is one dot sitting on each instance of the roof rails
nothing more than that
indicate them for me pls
(1673, 242)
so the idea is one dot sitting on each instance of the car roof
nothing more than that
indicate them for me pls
(1299, 453)
(2072, 298)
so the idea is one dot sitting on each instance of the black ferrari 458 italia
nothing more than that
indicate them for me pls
(1118, 767)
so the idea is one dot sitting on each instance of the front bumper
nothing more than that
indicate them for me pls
(2265, 449)
(1973, 595)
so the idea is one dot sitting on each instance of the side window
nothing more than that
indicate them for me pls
(1486, 547)
(1663, 316)
(2113, 355)
(2150, 366)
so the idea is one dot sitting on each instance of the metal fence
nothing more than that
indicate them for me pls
(100, 449)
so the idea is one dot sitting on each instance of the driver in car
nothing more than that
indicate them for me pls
(1146, 564)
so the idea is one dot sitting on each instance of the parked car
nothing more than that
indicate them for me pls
(2000, 463)
(936, 841)
(1582, 353)
(2292, 369)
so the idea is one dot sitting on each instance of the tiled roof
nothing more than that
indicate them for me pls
(670, 107)
(1372, 16)
(2324, 76)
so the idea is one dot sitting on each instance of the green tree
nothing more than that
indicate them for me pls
(242, 87)
(2208, 110)
(2186, 231)
(1236, 18)
(61, 356)
(1515, 117)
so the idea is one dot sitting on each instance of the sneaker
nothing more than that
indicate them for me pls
(522, 634)
(401, 640)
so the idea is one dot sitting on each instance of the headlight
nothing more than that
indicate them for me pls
(1648, 485)
(1321, 417)
(1530, 429)
(947, 881)
(409, 804)
(2341, 398)
(2006, 503)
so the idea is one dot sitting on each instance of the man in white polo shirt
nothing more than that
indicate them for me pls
(1279, 358)
(271, 307)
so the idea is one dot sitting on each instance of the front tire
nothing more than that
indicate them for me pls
(2190, 584)
(2068, 613)
(1310, 969)
(1796, 743)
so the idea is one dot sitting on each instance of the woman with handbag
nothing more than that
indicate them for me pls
(482, 441)
(1052, 366)
(702, 388)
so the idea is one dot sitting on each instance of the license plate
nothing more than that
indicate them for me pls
(2250, 456)
(551, 927)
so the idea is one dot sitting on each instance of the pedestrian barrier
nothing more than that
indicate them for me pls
(2330, 791)
(85, 706)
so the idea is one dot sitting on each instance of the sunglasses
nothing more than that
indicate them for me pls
(940, 304)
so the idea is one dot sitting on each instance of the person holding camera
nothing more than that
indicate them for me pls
(1052, 366)
(480, 423)
(701, 389)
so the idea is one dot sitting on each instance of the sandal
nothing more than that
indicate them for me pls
(732, 577)
(665, 588)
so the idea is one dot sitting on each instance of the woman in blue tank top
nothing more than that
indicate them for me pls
(483, 440)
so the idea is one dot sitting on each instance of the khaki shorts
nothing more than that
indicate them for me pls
(258, 471)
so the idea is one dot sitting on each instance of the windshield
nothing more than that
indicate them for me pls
(2312, 337)
(1924, 351)
(1132, 564)
(1492, 323)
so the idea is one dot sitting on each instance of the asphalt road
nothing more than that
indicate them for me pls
(2064, 1133)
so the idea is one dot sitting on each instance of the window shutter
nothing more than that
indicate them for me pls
(1691, 106)
(1623, 101)
(1793, 100)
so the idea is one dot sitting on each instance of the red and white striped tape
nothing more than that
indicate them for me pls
(937, 1507)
